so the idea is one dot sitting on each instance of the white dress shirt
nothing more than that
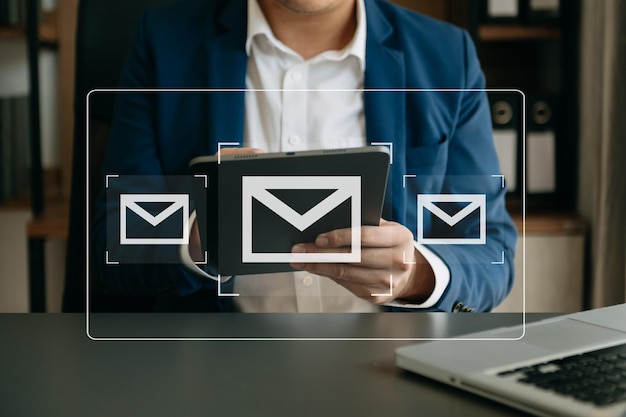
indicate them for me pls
(293, 104)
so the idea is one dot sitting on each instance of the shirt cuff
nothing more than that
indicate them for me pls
(442, 279)
(189, 263)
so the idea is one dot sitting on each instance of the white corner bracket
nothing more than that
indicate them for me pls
(108, 261)
(501, 179)
(404, 177)
(219, 289)
(106, 179)
(500, 262)
(206, 259)
(390, 294)
(221, 145)
(205, 177)
(404, 261)
(389, 145)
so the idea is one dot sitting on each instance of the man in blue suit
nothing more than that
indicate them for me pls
(442, 141)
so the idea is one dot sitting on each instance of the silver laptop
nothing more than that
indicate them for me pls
(571, 365)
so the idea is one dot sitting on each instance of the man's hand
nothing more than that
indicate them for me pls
(238, 151)
(195, 248)
(390, 264)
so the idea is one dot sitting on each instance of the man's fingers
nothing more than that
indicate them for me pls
(238, 151)
(361, 281)
(378, 258)
(195, 246)
(341, 272)
(388, 234)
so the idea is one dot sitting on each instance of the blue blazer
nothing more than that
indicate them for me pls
(442, 141)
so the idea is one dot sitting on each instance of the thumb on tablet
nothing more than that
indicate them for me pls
(239, 151)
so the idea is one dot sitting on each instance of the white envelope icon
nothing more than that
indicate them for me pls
(130, 202)
(257, 187)
(474, 202)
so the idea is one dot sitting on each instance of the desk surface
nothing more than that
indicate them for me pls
(48, 366)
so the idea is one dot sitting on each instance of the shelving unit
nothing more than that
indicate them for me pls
(542, 61)
(47, 29)
(52, 220)
(52, 223)
(12, 33)
(539, 59)
(47, 200)
(500, 33)
(562, 223)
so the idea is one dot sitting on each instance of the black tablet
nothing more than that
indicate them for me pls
(252, 209)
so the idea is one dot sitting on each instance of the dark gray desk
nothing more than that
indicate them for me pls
(49, 367)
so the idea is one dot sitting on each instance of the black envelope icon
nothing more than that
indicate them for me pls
(256, 190)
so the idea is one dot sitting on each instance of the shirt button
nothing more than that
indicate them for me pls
(307, 281)
(293, 140)
(296, 75)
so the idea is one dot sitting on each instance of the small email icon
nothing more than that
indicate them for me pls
(471, 202)
(129, 203)
(256, 188)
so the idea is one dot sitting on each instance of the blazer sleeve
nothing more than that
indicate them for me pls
(479, 280)
(135, 155)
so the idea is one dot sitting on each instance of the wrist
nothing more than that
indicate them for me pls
(421, 283)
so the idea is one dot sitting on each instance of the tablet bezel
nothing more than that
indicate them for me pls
(370, 163)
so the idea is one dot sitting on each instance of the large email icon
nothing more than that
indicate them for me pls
(471, 203)
(256, 188)
(129, 205)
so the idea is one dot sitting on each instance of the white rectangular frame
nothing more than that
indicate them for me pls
(225, 90)
(341, 184)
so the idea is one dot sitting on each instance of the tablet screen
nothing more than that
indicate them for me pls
(258, 206)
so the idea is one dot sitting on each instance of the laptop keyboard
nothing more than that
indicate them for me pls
(597, 377)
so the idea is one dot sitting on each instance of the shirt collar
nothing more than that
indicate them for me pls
(258, 26)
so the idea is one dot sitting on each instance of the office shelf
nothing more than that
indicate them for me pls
(17, 203)
(52, 223)
(10, 33)
(47, 30)
(501, 33)
(50, 214)
(48, 27)
(552, 223)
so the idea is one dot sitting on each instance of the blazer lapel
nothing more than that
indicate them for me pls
(385, 113)
(226, 69)
(384, 69)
